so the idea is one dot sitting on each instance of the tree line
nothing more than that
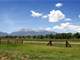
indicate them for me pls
(49, 36)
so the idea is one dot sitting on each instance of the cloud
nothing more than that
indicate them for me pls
(62, 26)
(45, 16)
(35, 14)
(59, 5)
(55, 16)
(68, 19)
(68, 26)
(79, 16)
(49, 29)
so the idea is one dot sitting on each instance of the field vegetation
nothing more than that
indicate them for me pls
(36, 48)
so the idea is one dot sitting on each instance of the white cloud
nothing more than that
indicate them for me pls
(68, 26)
(45, 16)
(48, 29)
(62, 26)
(79, 16)
(55, 16)
(36, 14)
(68, 19)
(59, 5)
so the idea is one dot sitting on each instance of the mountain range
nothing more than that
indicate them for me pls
(28, 32)
(3, 33)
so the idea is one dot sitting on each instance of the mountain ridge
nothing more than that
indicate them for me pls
(27, 32)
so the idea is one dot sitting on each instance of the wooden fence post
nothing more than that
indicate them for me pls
(8, 42)
(22, 41)
(0, 40)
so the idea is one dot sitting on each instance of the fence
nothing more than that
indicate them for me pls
(11, 41)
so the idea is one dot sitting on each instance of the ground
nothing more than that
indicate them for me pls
(39, 51)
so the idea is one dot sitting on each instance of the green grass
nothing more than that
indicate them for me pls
(31, 51)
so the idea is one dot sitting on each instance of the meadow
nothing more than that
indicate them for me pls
(39, 51)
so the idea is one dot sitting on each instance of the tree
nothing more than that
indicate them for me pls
(76, 35)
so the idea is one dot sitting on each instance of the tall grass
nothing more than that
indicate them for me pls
(32, 51)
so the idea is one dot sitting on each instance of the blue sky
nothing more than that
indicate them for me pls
(35, 14)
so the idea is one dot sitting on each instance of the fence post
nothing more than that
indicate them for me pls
(8, 41)
(22, 41)
(0, 40)
(16, 41)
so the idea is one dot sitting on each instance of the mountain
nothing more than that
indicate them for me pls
(25, 32)
(3, 34)
(31, 32)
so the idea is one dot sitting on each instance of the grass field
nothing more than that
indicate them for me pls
(39, 51)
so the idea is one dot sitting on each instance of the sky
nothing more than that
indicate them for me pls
(51, 15)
